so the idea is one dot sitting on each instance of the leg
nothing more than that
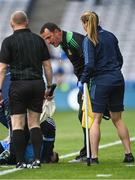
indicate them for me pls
(48, 128)
(116, 108)
(99, 100)
(83, 150)
(18, 137)
(122, 130)
(123, 134)
(34, 109)
(35, 132)
(95, 135)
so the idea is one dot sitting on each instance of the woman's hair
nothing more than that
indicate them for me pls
(91, 19)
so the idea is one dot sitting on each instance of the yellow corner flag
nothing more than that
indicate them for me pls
(89, 110)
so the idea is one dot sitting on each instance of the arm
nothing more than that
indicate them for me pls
(48, 74)
(3, 68)
(89, 56)
(120, 57)
(48, 71)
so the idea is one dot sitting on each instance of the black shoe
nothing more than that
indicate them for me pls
(94, 161)
(4, 157)
(83, 152)
(34, 165)
(129, 158)
(78, 159)
(21, 165)
(54, 158)
(81, 158)
(3, 161)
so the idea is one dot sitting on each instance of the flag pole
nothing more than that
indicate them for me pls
(86, 120)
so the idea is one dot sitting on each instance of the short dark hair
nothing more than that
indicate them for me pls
(50, 26)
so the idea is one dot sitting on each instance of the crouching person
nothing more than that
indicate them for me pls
(48, 128)
(48, 155)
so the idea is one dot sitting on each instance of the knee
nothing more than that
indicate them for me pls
(98, 118)
(116, 117)
(48, 127)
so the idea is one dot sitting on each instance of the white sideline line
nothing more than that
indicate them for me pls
(104, 175)
(8, 171)
(100, 147)
(66, 156)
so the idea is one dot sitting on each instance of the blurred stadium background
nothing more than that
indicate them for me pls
(117, 16)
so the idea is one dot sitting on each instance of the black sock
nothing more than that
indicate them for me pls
(36, 140)
(19, 144)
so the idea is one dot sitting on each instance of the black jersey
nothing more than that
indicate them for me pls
(24, 51)
(72, 46)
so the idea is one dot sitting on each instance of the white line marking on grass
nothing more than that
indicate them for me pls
(68, 155)
(130, 165)
(104, 175)
(114, 143)
(7, 166)
(100, 147)
(8, 171)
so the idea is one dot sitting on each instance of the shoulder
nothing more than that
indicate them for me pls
(87, 43)
(69, 36)
(73, 35)
(109, 33)
(39, 39)
(87, 40)
(7, 40)
(78, 35)
(37, 36)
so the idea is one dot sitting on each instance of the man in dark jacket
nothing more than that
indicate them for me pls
(71, 43)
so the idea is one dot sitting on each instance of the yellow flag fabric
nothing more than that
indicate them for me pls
(90, 113)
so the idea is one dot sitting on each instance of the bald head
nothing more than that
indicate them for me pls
(19, 18)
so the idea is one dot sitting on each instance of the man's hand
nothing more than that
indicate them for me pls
(47, 96)
(49, 93)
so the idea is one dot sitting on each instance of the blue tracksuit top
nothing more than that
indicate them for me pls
(103, 62)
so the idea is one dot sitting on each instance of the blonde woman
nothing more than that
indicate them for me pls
(103, 62)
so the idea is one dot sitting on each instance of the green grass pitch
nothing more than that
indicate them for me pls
(69, 140)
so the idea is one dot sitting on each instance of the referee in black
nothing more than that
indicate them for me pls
(26, 53)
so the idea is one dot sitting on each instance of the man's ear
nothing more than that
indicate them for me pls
(26, 23)
(11, 24)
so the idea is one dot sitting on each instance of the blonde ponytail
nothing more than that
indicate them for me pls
(91, 19)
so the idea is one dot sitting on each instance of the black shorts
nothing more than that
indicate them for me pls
(110, 97)
(26, 94)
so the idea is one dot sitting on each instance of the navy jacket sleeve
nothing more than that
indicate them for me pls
(89, 54)
(119, 55)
